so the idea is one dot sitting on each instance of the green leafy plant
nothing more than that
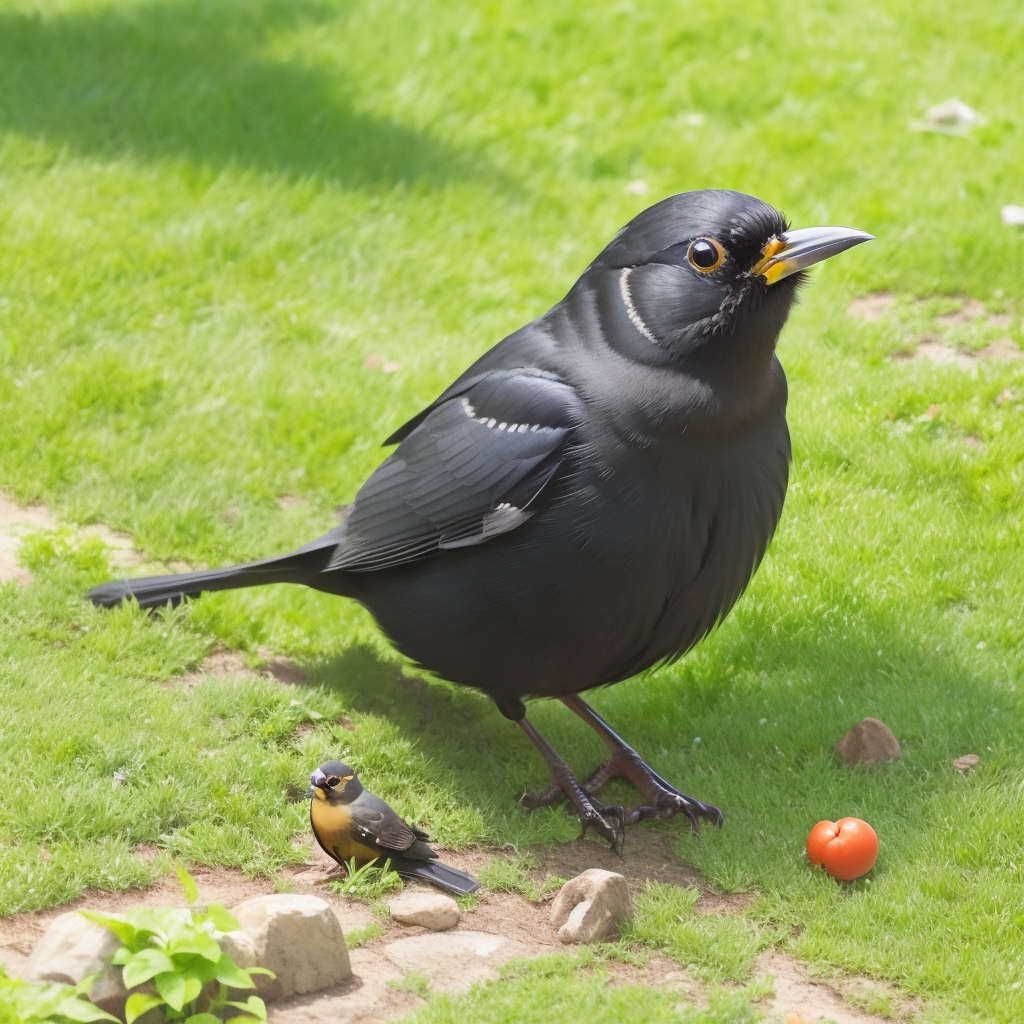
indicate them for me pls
(370, 882)
(177, 951)
(22, 1002)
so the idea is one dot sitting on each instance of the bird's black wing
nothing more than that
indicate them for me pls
(470, 471)
(384, 829)
(529, 346)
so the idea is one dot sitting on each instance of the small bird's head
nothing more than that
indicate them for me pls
(705, 266)
(336, 783)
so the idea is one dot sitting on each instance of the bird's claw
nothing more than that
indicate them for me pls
(607, 821)
(663, 800)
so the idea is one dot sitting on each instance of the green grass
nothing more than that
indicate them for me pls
(212, 212)
(574, 989)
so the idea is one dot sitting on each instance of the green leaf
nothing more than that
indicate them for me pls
(204, 1018)
(253, 1005)
(144, 965)
(193, 986)
(138, 1003)
(229, 973)
(194, 940)
(171, 985)
(188, 884)
(222, 919)
(79, 1010)
(125, 931)
(260, 970)
(200, 969)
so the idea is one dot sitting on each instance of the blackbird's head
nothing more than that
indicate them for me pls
(336, 783)
(702, 267)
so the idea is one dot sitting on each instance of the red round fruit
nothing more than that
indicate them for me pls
(847, 848)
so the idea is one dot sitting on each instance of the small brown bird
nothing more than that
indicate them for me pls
(350, 823)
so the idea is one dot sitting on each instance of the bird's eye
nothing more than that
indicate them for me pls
(705, 255)
(332, 781)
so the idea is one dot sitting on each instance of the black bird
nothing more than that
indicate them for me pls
(592, 495)
(351, 824)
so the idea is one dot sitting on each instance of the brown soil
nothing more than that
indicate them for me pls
(14, 522)
(225, 662)
(871, 307)
(931, 348)
(876, 306)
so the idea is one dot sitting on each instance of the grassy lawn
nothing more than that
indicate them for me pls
(240, 242)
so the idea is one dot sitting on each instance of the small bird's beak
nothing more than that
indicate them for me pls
(797, 250)
(316, 783)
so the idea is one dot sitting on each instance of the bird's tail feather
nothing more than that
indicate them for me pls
(155, 591)
(436, 873)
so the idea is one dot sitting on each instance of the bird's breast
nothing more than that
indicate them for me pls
(335, 832)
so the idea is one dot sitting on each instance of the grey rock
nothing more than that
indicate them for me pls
(869, 742)
(299, 939)
(431, 910)
(71, 949)
(592, 906)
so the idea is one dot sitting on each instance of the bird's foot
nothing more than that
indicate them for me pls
(662, 800)
(607, 822)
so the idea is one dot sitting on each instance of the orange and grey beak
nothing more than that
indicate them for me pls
(802, 248)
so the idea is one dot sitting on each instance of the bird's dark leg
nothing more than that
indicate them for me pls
(664, 801)
(606, 821)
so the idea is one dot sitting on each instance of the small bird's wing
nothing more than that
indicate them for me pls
(377, 824)
(469, 472)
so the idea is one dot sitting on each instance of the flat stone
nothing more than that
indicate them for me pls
(592, 906)
(299, 939)
(453, 961)
(869, 742)
(967, 763)
(431, 910)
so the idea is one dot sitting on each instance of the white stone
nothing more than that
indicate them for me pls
(299, 939)
(592, 906)
(431, 910)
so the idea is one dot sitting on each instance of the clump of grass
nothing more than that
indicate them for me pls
(356, 937)
(414, 982)
(513, 874)
(369, 883)
(713, 947)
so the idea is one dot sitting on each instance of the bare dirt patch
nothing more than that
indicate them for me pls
(226, 663)
(936, 351)
(15, 522)
(871, 307)
(933, 331)
(801, 997)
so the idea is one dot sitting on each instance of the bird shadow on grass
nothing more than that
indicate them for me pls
(199, 80)
(768, 704)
